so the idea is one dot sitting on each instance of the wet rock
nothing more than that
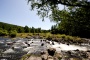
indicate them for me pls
(55, 58)
(28, 45)
(50, 58)
(88, 50)
(84, 54)
(76, 50)
(75, 59)
(88, 53)
(42, 44)
(52, 43)
(43, 52)
(51, 51)
(44, 57)
(9, 43)
(34, 58)
(68, 44)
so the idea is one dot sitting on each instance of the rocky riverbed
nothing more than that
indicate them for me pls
(14, 49)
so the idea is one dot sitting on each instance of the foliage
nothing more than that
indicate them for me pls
(3, 33)
(74, 21)
(13, 33)
(20, 30)
(5, 29)
(45, 6)
(26, 29)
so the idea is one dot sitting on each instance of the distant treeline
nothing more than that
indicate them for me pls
(6, 29)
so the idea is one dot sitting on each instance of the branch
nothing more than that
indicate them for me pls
(68, 4)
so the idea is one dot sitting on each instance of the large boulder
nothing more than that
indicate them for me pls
(51, 51)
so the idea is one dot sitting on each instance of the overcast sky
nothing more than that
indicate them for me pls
(18, 12)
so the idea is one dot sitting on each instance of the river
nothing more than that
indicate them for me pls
(14, 49)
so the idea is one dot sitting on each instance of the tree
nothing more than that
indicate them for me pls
(26, 29)
(20, 30)
(39, 30)
(32, 30)
(45, 6)
(74, 21)
(54, 29)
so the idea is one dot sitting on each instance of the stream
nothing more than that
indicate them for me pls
(15, 49)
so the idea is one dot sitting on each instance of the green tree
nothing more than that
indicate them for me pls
(45, 6)
(39, 30)
(26, 29)
(20, 30)
(32, 30)
(75, 21)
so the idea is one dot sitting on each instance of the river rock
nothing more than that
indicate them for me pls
(75, 59)
(44, 57)
(50, 58)
(51, 51)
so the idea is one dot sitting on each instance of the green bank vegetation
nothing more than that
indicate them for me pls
(49, 36)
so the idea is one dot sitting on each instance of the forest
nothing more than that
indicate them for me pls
(10, 29)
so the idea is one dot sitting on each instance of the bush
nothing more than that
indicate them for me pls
(49, 38)
(63, 36)
(69, 38)
(13, 33)
(3, 33)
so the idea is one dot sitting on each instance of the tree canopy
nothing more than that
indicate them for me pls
(45, 6)
(72, 20)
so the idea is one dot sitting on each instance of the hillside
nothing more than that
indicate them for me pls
(20, 29)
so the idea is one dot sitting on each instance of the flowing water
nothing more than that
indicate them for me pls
(14, 49)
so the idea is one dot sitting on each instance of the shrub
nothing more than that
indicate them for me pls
(13, 33)
(49, 38)
(63, 36)
(3, 33)
(69, 38)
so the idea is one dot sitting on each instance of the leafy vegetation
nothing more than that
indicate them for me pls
(13, 33)
(74, 21)
(12, 30)
(45, 6)
(3, 33)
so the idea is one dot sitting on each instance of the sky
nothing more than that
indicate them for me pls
(18, 12)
